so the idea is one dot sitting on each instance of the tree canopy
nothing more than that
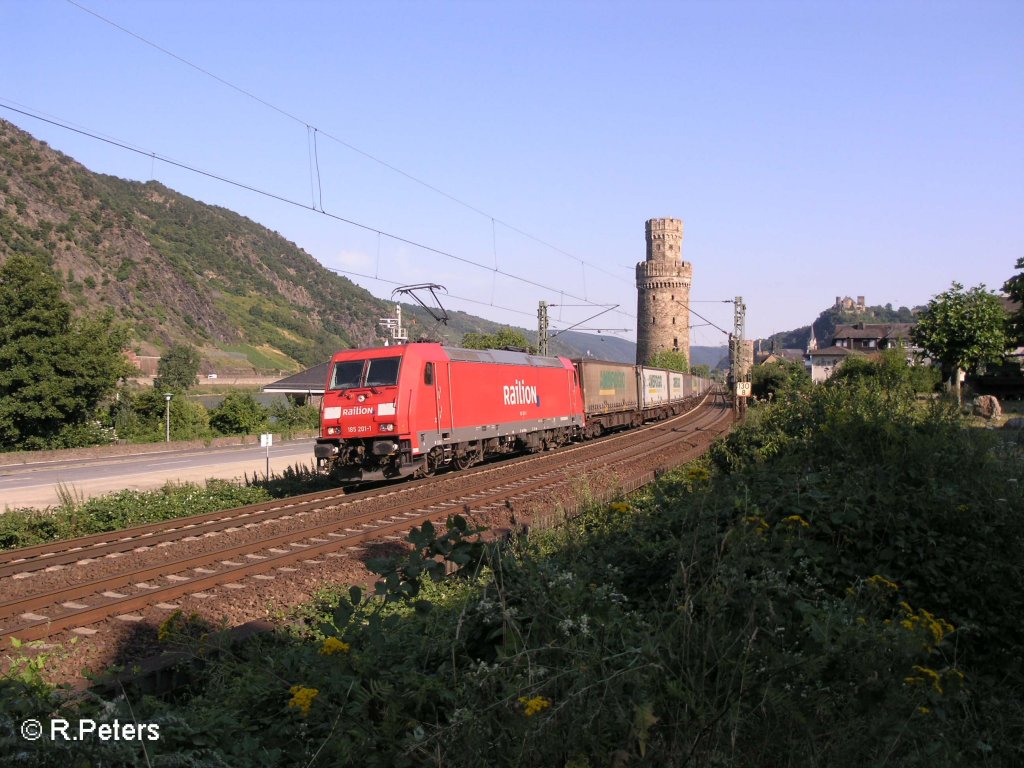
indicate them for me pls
(779, 378)
(673, 360)
(238, 413)
(962, 329)
(177, 370)
(503, 339)
(54, 369)
(1014, 287)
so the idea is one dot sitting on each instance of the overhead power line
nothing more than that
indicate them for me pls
(342, 142)
(459, 298)
(289, 201)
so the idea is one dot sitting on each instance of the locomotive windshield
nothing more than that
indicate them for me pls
(379, 372)
(382, 372)
(347, 374)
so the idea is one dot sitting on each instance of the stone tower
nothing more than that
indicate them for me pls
(663, 292)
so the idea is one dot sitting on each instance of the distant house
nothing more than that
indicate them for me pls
(872, 337)
(306, 387)
(780, 355)
(822, 363)
(858, 339)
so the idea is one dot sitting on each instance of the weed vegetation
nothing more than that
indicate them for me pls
(839, 583)
(113, 512)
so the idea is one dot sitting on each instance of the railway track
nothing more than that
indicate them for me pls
(71, 585)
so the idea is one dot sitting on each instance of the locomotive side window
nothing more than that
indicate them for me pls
(382, 372)
(347, 374)
(428, 374)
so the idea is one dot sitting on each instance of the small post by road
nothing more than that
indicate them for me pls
(167, 415)
(267, 440)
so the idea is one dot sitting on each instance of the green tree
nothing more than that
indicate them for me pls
(962, 330)
(890, 370)
(673, 360)
(288, 415)
(779, 378)
(503, 339)
(177, 370)
(139, 416)
(1014, 287)
(54, 369)
(238, 414)
(702, 370)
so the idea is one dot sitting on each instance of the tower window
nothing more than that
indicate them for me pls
(673, 321)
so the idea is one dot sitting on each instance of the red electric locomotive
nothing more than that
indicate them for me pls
(393, 411)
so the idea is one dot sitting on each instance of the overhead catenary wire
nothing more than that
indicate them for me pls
(340, 141)
(353, 273)
(290, 201)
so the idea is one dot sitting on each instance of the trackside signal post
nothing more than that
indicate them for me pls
(267, 440)
(738, 352)
(542, 329)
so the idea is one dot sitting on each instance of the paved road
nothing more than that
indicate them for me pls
(35, 485)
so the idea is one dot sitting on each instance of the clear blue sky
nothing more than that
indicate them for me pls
(812, 149)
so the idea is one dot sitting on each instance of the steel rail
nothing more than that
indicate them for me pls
(98, 545)
(374, 524)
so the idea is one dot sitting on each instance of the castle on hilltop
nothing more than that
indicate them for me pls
(847, 304)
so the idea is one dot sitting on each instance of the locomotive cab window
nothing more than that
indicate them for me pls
(347, 374)
(382, 372)
(428, 374)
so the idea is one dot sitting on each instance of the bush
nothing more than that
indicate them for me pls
(139, 416)
(238, 414)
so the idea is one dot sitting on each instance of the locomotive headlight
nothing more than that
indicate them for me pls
(361, 398)
(334, 430)
(387, 427)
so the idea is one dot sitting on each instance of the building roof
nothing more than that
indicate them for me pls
(833, 352)
(873, 331)
(308, 382)
(792, 355)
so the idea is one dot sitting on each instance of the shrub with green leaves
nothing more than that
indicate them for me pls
(238, 414)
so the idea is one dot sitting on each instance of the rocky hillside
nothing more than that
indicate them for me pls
(176, 269)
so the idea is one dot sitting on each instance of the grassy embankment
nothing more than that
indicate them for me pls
(839, 583)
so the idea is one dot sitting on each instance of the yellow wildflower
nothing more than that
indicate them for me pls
(620, 506)
(169, 626)
(931, 676)
(302, 698)
(922, 620)
(698, 475)
(882, 583)
(333, 645)
(923, 710)
(532, 706)
(797, 520)
(758, 521)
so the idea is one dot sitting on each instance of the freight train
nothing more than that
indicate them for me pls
(389, 412)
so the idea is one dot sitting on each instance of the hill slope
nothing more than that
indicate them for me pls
(176, 269)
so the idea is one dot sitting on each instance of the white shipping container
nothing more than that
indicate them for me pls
(654, 386)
